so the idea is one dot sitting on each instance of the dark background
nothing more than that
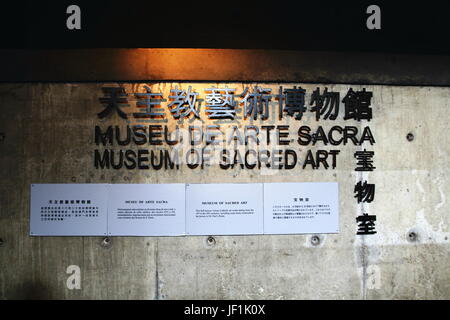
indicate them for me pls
(407, 26)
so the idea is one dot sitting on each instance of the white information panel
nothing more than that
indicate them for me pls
(295, 208)
(68, 210)
(146, 209)
(224, 209)
(179, 209)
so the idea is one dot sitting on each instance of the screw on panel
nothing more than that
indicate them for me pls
(2, 136)
(410, 137)
(106, 242)
(315, 240)
(210, 241)
(412, 236)
(1, 242)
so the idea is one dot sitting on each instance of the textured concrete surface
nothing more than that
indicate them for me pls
(48, 137)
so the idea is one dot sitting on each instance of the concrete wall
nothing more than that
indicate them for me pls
(47, 136)
(111, 65)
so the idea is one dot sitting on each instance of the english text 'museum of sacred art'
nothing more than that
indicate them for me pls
(250, 147)
(245, 146)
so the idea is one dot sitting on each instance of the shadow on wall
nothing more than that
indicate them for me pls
(31, 290)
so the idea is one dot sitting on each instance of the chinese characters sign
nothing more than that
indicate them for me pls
(270, 128)
(225, 103)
